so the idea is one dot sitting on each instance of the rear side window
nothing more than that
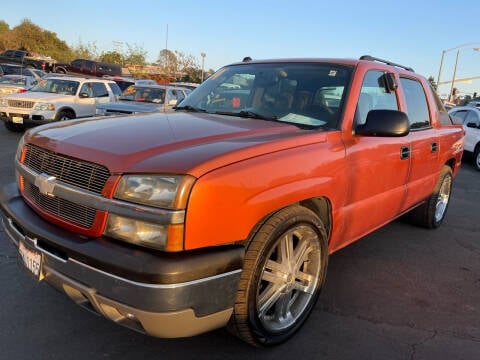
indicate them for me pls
(99, 90)
(417, 106)
(115, 89)
(443, 116)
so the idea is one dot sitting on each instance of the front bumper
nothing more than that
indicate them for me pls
(160, 294)
(28, 119)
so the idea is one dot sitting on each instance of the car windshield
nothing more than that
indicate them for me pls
(57, 86)
(144, 94)
(14, 80)
(306, 94)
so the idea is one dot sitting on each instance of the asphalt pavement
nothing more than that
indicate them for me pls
(402, 292)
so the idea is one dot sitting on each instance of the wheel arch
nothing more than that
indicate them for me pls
(320, 206)
(67, 109)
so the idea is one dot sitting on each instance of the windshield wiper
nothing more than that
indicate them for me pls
(253, 114)
(247, 114)
(189, 108)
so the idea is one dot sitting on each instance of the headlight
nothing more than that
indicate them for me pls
(4, 102)
(44, 106)
(137, 232)
(161, 191)
(155, 190)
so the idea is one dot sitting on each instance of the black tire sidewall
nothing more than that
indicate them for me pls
(476, 158)
(263, 336)
(63, 113)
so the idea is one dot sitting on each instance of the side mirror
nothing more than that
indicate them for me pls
(172, 102)
(83, 95)
(385, 123)
(390, 82)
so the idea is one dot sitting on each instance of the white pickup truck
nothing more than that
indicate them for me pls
(56, 99)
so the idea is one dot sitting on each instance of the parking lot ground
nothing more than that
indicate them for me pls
(402, 292)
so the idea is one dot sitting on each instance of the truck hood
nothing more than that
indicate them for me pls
(130, 106)
(38, 96)
(183, 143)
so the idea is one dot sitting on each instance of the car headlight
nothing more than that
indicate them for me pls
(137, 232)
(3, 102)
(155, 190)
(160, 191)
(44, 106)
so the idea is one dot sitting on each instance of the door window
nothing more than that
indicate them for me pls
(417, 106)
(374, 96)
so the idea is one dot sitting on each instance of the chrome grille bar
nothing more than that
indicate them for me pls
(85, 175)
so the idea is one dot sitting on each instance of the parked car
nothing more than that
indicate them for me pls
(144, 98)
(188, 85)
(474, 104)
(35, 73)
(56, 99)
(225, 212)
(469, 117)
(27, 59)
(10, 84)
(87, 67)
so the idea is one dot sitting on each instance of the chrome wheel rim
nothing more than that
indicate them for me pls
(443, 198)
(289, 279)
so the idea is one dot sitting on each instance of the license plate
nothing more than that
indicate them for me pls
(31, 259)
(17, 119)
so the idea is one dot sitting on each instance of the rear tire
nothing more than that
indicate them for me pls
(284, 270)
(13, 127)
(431, 214)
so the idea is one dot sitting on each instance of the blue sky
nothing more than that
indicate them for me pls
(408, 32)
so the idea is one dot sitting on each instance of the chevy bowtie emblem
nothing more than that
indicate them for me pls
(45, 184)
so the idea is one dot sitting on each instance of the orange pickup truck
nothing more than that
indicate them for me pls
(224, 212)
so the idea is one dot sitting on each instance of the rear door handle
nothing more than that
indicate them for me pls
(404, 152)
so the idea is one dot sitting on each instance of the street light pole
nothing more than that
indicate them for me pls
(453, 79)
(440, 70)
(203, 63)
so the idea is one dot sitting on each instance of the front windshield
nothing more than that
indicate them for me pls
(148, 94)
(56, 86)
(309, 94)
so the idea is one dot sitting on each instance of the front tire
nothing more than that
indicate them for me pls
(64, 115)
(284, 270)
(431, 214)
(476, 157)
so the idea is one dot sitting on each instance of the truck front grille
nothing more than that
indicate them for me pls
(65, 210)
(78, 173)
(21, 104)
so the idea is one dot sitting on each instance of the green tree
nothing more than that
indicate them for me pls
(85, 51)
(4, 27)
(31, 37)
(112, 57)
(135, 55)
(168, 62)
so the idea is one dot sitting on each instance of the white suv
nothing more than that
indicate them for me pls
(56, 99)
(470, 118)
